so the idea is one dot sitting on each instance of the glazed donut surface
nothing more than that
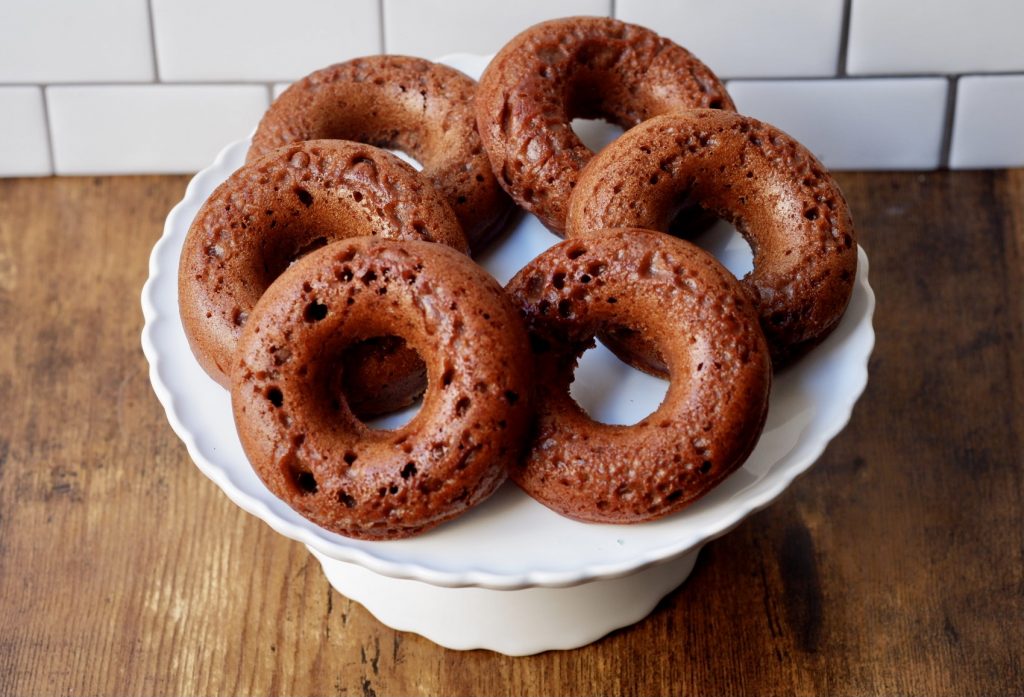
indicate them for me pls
(295, 424)
(578, 67)
(692, 309)
(283, 205)
(421, 108)
(762, 181)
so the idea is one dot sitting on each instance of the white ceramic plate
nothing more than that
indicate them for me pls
(511, 541)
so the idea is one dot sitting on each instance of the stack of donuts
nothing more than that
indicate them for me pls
(326, 281)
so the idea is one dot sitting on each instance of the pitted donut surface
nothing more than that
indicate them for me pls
(297, 429)
(421, 108)
(279, 207)
(694, 311)
(762, 181)
(578, 67)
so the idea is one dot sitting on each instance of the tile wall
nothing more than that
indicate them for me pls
(140, 86)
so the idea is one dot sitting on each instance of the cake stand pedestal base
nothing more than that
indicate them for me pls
(512, 622)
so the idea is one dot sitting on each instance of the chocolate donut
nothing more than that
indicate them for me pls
(578, 67)
(695, 312)
(762, 181)
(279, 207)
(296, 426)
(423, 109)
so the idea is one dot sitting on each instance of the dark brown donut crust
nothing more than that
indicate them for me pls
(759, 179)
(577, 67)
(282, 205)
(422, 108)
(702, 322)
(300, 435)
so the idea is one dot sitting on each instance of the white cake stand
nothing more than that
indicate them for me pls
(512, 576)
(516, 623)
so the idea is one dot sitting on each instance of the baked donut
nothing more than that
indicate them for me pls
(762, 181)
(697, 315)
(578, 67)
(283, 205)
(423, 109)
(296, 426)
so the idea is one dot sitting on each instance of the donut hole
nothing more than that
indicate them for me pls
(374, 377)
(612, 392)
(311, 246)
(595, 133)
(283, 250)
(598, 111)
(407, 158)
(690, 219)
(681, 213)
(726, 244)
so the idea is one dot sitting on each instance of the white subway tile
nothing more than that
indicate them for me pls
(61, 41)
(987, 124)
(224, 40)
(748, 38)
(938, 36)
(24, 147)
(854, 124)
(280, 87)
(148, 128)
(433, 28)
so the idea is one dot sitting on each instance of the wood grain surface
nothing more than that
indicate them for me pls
(895, 567)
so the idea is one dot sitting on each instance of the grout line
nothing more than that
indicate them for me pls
(152, 41)
(846, 78)
(169, 83)
(245, 82)
(49, 133)
(270, 93)
(844, 39)
(612, 9)
(380, 14)
(947, 133)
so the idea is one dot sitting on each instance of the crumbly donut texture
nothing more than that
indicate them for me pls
(577, 67)
(762, 181)
(283, 205)
(297, 429)
(421, 108)
(694, 311)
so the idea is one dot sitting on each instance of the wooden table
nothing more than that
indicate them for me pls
(895, 567)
